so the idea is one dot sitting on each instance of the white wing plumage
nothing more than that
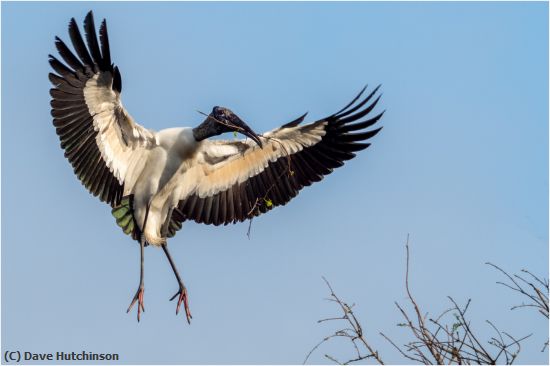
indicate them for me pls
(230, 181)
(104, 144)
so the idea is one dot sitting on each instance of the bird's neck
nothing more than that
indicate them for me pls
(200, 133)
(207, 129)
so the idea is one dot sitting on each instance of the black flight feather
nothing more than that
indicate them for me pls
(104, 39)
(91, 37)
(67, 55)
(78, 43)
(296, 122)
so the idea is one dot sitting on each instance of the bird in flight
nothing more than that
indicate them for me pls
(156, 180)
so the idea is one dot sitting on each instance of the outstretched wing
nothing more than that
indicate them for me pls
(233, 181)
(101, 140)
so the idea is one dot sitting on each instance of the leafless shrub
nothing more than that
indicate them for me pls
(532, 287)
(446, 339)
(351, 330)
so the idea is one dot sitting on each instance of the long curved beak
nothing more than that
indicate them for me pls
(254, 137)
(247, 131)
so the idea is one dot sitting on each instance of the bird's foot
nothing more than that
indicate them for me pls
(182, 297)
(139, 298)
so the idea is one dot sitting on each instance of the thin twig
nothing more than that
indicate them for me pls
(439, 343)
(353, 332)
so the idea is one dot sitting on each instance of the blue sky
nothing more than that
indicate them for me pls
(461, 165)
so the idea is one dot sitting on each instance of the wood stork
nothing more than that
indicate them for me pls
(154, 181)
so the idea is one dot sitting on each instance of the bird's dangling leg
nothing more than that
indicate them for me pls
(139, 293)
(182, 292)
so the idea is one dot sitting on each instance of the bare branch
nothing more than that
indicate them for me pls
(448, 338)
(353, 331)
(536, 292)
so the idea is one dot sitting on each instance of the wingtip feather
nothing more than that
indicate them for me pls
(91, 37)
(295, 122)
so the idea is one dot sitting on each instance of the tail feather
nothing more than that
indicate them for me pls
(124, 216)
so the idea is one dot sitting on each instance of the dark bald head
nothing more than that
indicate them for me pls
(223, 120)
